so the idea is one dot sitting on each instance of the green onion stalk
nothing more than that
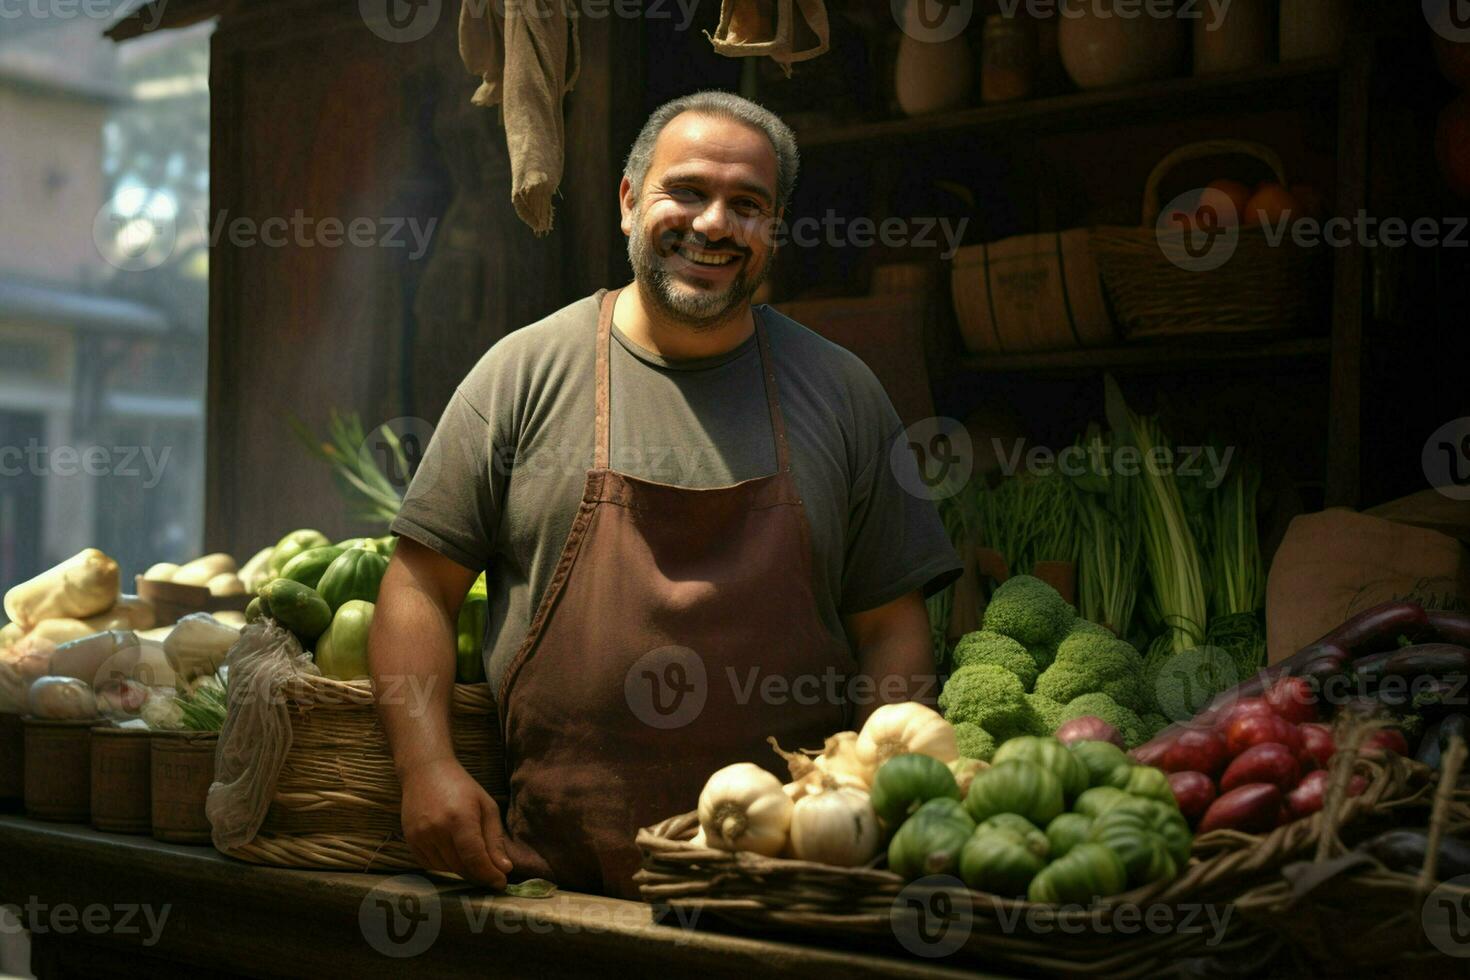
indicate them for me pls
(1109, 566)
(359, 479)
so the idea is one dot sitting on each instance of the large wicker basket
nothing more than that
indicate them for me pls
(334, 799)
(874, 908)
(1344, 912)
(1163, 283)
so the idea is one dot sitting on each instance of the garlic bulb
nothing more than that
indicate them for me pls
(840, 758)
(897, 729)
(965, 771)
(745, 808)
(835, 826)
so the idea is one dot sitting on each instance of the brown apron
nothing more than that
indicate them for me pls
(679, 629)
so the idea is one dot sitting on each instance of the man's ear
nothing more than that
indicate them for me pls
(627, 200)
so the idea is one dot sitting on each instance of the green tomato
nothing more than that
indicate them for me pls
(1100, 799)
(1051, 755)
(1014, 823)
(1089, 871)
(930, 841)
(1168, 823)
(292, 545)
(1151, 784)
(1066, 832)
(1018, 787)
(342, 651)
(999, 861)
(1128, 834)
(906, 782)
(1099, 759)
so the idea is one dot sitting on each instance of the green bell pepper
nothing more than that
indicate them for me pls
(342, 651)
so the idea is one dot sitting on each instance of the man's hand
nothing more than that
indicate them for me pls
(449, 821)
(452, 824)
(895, 651)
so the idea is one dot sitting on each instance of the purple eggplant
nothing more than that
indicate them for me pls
(1372, 666)
(1428, 660)
(1377, 629)
(1450, 627)
(1405, 851)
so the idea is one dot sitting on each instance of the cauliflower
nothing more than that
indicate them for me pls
(1028, 611)
(1050, 710)
(985, 647)
(991, 697)
(974, 742)
(1087, 662)
(1099, 705)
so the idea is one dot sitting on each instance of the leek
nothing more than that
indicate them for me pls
(1108, 563)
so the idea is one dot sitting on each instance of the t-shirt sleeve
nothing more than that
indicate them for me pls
(450, 505)
(896, 542)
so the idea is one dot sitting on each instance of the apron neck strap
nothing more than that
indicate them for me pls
(602, 434)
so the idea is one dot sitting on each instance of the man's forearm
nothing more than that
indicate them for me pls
(412, 652)
(895, 654)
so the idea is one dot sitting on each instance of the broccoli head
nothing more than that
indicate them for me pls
(985, 647)
(1153, 723)
(1080, 625)
(1099, 705)
(1088, 662)
(991, 697)
(974, 742)
(1028, 611)
(1050, 711)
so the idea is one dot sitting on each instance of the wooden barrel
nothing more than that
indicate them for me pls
(121, 765)
(12, 757)
(58, 769)
(181, 771)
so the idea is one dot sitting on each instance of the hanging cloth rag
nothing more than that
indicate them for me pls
(756, 28)
(527, 56)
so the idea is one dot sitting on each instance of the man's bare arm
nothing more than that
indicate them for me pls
(895, 652)
(449, 821)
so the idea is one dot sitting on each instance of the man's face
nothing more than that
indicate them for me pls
(700, 234)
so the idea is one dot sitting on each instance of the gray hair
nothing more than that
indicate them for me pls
(724, 105)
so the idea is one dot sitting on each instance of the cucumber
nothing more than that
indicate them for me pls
(298, 608)
(307, 567)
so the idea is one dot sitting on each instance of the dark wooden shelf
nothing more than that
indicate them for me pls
(1277, 85)
(1195, 353)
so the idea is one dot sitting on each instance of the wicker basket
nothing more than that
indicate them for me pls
(335, 800)
(1161, 283)
(1344, 912)
(874, 908)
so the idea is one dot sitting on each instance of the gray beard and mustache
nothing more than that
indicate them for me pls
(698, 308)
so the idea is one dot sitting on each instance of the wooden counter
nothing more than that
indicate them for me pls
(228, 917)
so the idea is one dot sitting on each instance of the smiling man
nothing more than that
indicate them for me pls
(693, 526)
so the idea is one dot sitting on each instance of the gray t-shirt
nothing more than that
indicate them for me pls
(503, 476)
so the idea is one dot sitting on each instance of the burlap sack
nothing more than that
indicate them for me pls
(1337, 563)
(783, 30)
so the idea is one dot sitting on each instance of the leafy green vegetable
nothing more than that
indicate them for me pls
(531, 888)
(1109, 560)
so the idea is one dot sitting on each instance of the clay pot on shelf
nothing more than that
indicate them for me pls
(1313, 28)
(1233, 38)
(1008, 63)
(1103, 47)
(932, 73)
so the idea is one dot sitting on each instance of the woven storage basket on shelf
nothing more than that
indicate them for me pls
(864, 906)
(1345, 912)
(1162, 283)
(332, 799)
